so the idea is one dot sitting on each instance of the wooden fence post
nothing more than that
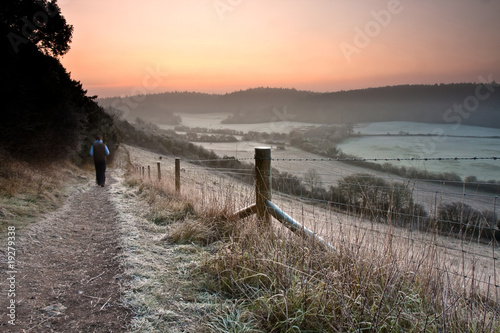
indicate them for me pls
(159, 171)
(264, 208)
(149, 172)
(177, 175)
(263, 190)
(142, 172)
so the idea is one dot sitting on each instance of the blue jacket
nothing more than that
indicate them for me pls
(92, 148)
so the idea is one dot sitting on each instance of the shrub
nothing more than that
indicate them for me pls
(462, 219)
(378, 198)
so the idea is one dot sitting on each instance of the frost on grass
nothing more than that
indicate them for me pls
(159, 288)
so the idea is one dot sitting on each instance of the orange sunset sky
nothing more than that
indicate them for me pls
(126, 47)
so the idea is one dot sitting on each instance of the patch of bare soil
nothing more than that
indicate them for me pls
(67, 275)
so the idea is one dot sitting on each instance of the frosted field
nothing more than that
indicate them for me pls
(424, 141)
(423, 147)
(473, 141)
(394, 127)
(212, 121)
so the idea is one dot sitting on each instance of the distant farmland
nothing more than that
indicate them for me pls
(429, 194)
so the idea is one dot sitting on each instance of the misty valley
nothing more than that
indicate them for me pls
(407, 121)
(380, 140)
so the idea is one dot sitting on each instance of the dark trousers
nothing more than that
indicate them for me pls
(100, 172)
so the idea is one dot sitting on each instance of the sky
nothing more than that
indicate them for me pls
(129, 47)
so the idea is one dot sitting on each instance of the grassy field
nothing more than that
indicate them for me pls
(382, 278)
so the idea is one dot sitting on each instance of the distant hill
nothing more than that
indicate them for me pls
(464, 103)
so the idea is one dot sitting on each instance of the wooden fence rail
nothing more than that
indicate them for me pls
(295, 226)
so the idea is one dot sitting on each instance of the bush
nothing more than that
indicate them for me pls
(377, 198)
(462, 219)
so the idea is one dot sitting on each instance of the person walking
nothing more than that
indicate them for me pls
(99, 151)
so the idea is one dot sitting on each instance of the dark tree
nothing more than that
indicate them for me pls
(36, 22)
(45, 114)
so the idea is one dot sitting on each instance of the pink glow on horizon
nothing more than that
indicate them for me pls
(194, 45)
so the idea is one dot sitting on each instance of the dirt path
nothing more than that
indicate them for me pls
(67, 274)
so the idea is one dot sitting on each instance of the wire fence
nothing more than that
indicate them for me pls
(450, 227)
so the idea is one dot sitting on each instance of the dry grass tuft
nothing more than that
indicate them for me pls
(289, 285)
(232, 317)
(203, 231)
(28, 190)
(192, 231)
